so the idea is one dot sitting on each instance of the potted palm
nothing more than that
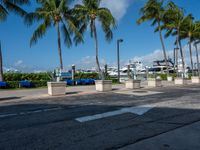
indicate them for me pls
(132, 82)
(55, 13)
(154, 81)
(197, 78)
(170, 78)
(90, 12)
(179, 81)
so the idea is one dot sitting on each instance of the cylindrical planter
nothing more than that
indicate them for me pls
(56, 88)
(169, 78)
(179, 81)
(195, 79)
(153, 82)
(133, 84)
(103, 85)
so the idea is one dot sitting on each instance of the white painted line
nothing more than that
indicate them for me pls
(139, 110)
(30, 112)
(7, 115)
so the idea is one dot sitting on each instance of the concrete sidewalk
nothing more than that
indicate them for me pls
(43, 92)
(70, 91)
(185, 138)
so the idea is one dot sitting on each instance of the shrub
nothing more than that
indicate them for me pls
(27, 76)
(13, 84)
(35, 84)
(162, 76)
(39, 83)
(86, 75)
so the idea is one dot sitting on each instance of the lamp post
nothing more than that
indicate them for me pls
(118, 58)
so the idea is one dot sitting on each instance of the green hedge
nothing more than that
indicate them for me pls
(27, 76)
(162, 76)
(86, 76)
(35, 84)
(13, 84)
(39, 83)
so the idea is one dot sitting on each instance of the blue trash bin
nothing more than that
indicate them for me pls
(25, 84)
(3, 84)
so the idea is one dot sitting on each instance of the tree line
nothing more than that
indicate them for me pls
(71, 23)
(170, 19)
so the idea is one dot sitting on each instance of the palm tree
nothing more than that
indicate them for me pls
(90, 12)
(1, 64)
(196, 42)
(154, 11)
(7, 6)
(197, 55)
(174, 21)
(55, 13)
(190, 30)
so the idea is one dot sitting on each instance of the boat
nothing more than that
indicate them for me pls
(160, 67)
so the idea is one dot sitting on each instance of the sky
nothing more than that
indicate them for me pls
(140, 42)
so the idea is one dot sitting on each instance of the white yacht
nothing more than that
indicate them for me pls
(159, 66)
(136, 67)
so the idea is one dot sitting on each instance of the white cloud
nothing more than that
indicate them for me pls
(117, 7)
(21, 66)
(18, 63)
(158, 55)
(89, 62)
(149, 58)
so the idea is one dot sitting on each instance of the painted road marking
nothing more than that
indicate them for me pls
(138, 92)
(139, 110)
(30, 112)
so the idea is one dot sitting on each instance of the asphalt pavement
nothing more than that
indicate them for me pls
(148, 118)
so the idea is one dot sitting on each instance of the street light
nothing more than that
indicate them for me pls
(118, 59)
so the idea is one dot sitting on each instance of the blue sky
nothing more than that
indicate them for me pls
(140, 42)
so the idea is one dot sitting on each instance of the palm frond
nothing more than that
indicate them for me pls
(40, 31)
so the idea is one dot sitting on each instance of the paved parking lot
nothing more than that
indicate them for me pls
(152, 119)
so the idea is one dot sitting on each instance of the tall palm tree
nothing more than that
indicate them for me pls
(174, 21)
(196, 42)
(197, 55)
(55, 13)
(90, 13)
(1, 64)
(190, 30)
(7, 6)
(154, 11)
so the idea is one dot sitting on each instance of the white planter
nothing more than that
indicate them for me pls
(195, 79)
(152, 82)
(56, 88)
(169, 78)
(179, 81)
(103, 85)
(133, 84)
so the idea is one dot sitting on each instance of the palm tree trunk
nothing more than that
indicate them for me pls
(163, 47)
(1, 64)
(176, 53)
(97, 49)
(59, 46)
(191, 60)
(197, 57)
(182, 56)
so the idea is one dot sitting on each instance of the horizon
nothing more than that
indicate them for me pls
(140, 42)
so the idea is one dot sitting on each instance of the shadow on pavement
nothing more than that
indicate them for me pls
(50, 125)
(9, 98)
